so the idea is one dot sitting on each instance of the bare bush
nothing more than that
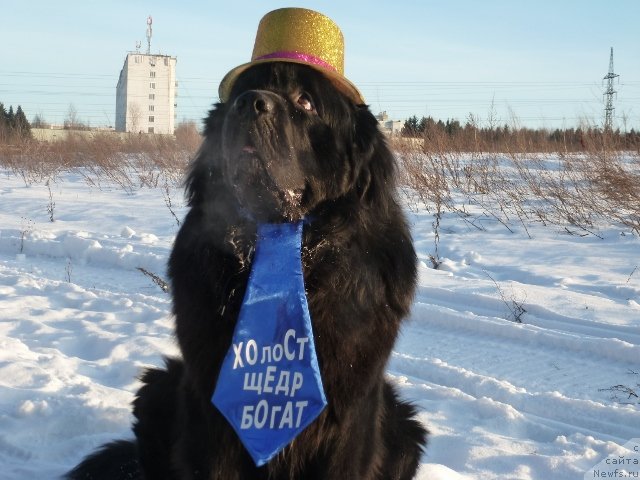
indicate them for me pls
(25, 230)
(187, 135)
(129, 161)
(445, 170)
(575, 190)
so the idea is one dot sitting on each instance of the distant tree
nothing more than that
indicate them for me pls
(556, 136)
(410, 128)
(4, 123)
(11, 118)
(422, 125)
(73, 122)
(492, 117)
(494, 137)
(633, 139)
(452, 127)
(21, 126)
(135, 117)
(430, 123)
(187, 134)
(13, 126)
(430, 128)
(39, 121)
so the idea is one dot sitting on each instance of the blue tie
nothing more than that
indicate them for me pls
(269, 387)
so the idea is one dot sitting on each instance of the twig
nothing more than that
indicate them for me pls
(24, 231)
(516, 308)
(631, 274)
(622, 389)
(164, 286)
(167, 201)
(68, 270)
(576, 233)
(51, 205)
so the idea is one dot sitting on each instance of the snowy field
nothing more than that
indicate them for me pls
(553, 397)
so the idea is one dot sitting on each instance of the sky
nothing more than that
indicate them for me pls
(535, 64)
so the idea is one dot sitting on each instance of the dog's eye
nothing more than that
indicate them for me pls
(306, 102)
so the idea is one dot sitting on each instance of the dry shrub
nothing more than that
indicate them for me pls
(442, 172)
(574, 190)
(612, 184)
(130, 161)
(187, 136)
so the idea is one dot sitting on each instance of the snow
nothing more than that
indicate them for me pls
(541, 399)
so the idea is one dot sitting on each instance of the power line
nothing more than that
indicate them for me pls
(92, 94)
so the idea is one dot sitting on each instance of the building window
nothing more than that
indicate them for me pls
(151, 108)
(138, 59)
(151, 119)
(152, 96)
(152, 74)
(150, 130)
(166, 62)
(152, 85)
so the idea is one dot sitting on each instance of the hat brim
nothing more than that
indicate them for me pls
(338, 80)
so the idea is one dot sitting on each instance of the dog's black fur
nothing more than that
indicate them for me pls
(285, 146)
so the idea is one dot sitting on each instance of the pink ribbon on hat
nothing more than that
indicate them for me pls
(303, 57)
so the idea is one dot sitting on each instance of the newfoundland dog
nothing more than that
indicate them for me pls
(286, 146)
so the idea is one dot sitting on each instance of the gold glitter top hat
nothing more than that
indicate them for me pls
(298, 35)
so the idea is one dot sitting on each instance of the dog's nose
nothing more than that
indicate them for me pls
(256, 102)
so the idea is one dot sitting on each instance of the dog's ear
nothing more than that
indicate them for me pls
(375, 162)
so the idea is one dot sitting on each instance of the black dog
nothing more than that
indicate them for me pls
(286, 146)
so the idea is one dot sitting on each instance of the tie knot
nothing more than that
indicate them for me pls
(277, 252)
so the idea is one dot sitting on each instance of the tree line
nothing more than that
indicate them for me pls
(13, 125)
(452, 135)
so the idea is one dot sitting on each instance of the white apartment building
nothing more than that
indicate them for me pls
(146, 94)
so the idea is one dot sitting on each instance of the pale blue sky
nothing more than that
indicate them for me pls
(542, 61)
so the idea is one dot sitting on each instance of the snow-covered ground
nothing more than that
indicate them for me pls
(549, 398)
